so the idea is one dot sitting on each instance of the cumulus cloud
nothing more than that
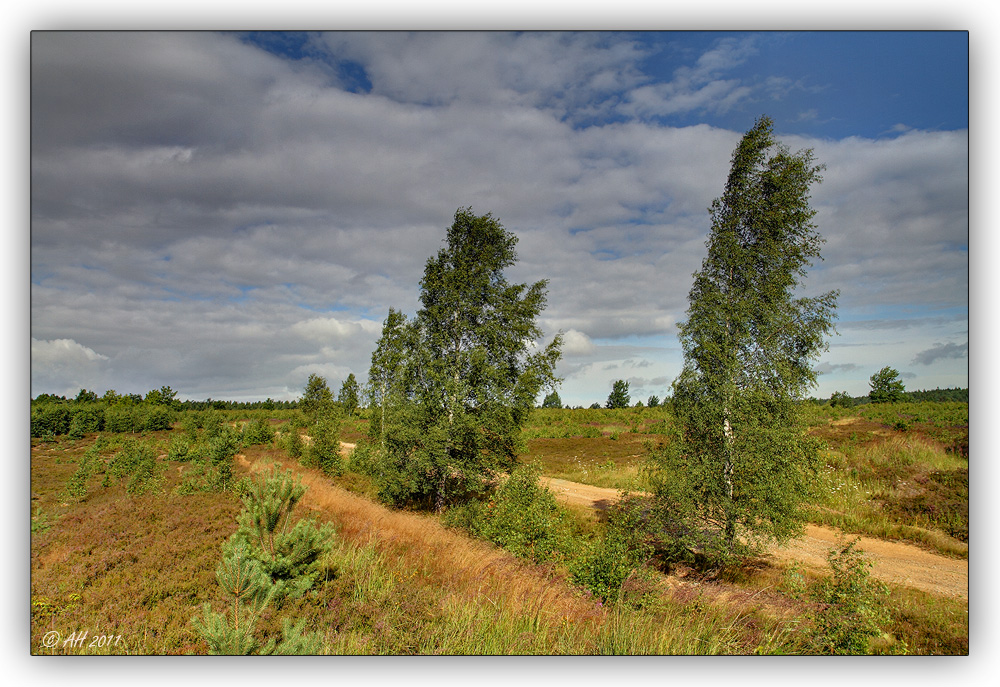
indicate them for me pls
(577, 343)
(65, 366)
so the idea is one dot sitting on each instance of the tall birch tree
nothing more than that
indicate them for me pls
(739, 471)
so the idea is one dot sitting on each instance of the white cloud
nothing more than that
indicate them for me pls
(324, 329)
(200, 208)
(65, 366)
(577, 344)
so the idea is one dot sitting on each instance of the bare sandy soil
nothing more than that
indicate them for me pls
(894, 562)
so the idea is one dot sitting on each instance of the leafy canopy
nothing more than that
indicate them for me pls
(456, 384)
(619, 396)
(886, 386)
(740, 462)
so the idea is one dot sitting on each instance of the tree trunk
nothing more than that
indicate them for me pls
(727, 478)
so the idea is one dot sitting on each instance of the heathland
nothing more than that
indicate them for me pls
(138, 509)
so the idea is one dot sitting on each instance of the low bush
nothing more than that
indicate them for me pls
(324, 450)
(522, 517)
(86, 420)
(289, 555)
(852, 610)
(257, 432)
(622, 552)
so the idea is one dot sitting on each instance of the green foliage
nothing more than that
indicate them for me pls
(221, 449)
(289, 555)
(49, 419)
(748, 349)
(123, 418)
(841, 399)
(86, 419)
(886, 386)
(257, 432)
(455, 385)
(619, 553)
(243, 578)
(552, 400)
(295, 641)
(853, 610)
(520, 516)
(619, 396)
(76, 486)
(349, 395)
(136, 460)
(291, 441)
(324, 450)
(179, 448)
(653, 401)
(317, 400)
(40, 521)
(85, 396)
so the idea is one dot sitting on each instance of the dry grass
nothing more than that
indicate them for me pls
(398, 582)
(464, 567)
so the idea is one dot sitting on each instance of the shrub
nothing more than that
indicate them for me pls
(156, 418)
(122, 418)
(291, 441)
(242, 578)
(522, 517)
(257, 432)
(137, 461)
(364, 459)
(49, 419)
(85, 420)
(221, 449)
(76, 487)
(179, 448)
(324, 451)
(290, 557)
(852, 609)
(841, 399)
(620, 553)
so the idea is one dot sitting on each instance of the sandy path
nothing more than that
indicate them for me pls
(894, 562)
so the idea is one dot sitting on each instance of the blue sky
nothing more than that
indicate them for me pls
(229, 213)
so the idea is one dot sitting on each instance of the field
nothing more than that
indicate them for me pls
(121, 562)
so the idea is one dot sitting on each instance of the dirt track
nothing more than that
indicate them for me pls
(894, 562)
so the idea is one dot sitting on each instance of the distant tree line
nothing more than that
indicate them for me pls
(955, 395)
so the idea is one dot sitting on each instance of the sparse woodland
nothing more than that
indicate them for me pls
(408, 516)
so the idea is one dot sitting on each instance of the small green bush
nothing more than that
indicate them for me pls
(621, 552)
(257, 432)
(289, 555)
(76, 486)
(123, 418)
(156, 418)
(324, 451)
(291, 441)
(85, 420)
(522, 517)
(221, 449)
(852, 611)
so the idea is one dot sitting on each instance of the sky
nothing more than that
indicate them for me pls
(228, 213)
